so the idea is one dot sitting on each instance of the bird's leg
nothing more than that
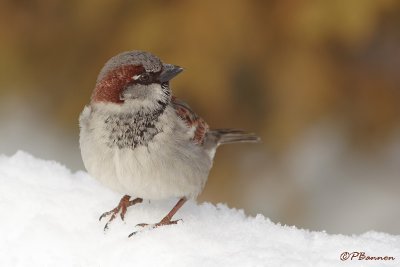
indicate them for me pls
(167, 219)
(122, 207)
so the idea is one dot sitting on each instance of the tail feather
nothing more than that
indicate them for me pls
(226, 136)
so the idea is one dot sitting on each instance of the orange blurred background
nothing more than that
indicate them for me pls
(317, 80)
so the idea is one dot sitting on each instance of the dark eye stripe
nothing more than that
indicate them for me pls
(146, 78)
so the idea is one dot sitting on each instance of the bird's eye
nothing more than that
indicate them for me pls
(144, 77)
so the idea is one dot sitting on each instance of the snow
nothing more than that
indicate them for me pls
(49, 217)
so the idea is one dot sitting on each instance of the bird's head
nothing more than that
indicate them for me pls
(134, 77)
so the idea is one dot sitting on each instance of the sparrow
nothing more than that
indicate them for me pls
(139, 140)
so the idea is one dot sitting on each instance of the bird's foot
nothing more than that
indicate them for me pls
(166, 220)
(163, 222)
(122, 207)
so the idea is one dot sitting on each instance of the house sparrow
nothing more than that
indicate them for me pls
(139, 140)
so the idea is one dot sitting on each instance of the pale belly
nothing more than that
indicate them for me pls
(169, 166)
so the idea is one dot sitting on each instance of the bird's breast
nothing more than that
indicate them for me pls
(130, 130)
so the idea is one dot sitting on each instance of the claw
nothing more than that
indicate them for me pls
(122, 207)
(132, 234)
(142, 224)
(108, 213)
(145, 227)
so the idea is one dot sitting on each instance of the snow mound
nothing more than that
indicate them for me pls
(49, 217)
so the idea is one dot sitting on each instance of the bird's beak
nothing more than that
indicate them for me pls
(169, 71)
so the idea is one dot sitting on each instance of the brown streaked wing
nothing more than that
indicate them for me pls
(191, 119)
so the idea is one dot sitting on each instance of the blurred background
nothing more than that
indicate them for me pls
(319, 81)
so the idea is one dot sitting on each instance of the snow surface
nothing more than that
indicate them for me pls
(49, 217)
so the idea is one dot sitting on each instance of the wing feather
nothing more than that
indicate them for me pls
(191, 119)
